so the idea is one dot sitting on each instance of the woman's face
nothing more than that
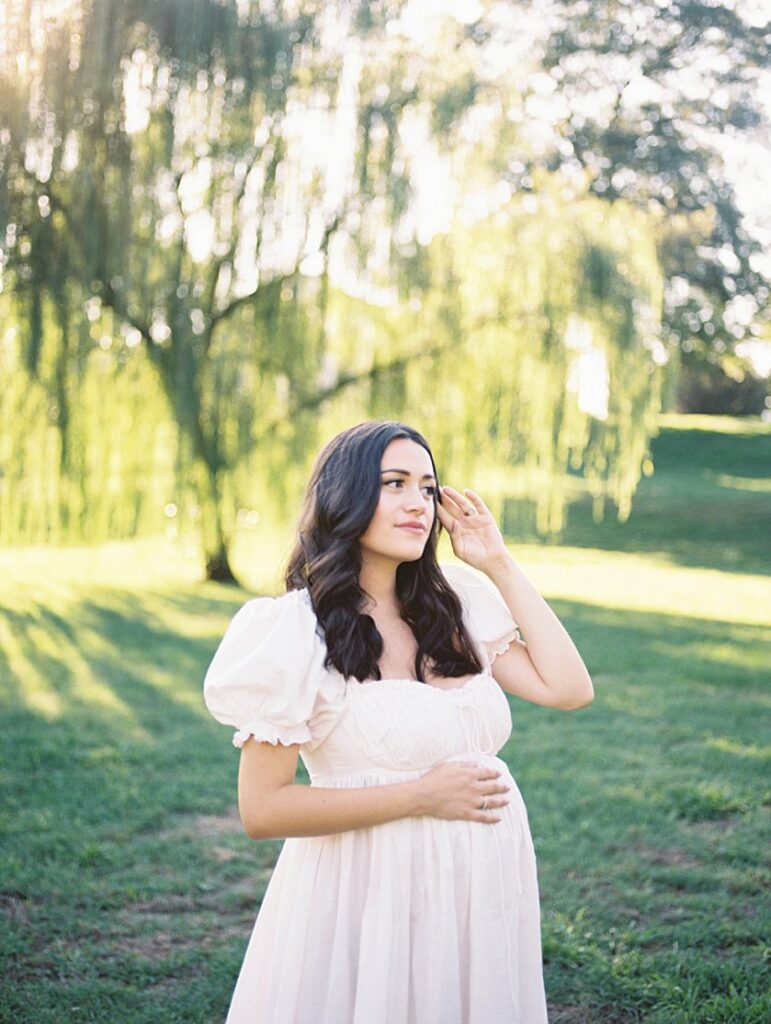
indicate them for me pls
(407, 489)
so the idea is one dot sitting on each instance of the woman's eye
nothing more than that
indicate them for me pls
(429, 487)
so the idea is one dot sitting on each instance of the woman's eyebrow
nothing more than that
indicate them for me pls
(426, 476)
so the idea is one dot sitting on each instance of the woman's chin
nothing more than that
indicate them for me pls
(405, 553)
(411, 552)
(406, 549)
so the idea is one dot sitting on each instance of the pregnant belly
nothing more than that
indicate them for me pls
(434, 872)
(425, 846)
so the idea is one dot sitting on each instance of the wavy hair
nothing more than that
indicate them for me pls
(340, 500)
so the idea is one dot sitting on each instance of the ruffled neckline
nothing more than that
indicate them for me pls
(430, 686)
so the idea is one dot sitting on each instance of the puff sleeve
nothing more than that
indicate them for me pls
(486, 613)
(267, 677)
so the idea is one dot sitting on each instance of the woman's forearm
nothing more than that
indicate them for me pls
(309, 810)
(300, 810)
(274, 806)
(551, 650)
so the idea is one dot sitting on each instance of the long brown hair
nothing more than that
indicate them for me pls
(340, 500)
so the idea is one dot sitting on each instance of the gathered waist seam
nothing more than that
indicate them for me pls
(386, 775)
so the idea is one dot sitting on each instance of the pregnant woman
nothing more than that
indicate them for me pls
(406, 891)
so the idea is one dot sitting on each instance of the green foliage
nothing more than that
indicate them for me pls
(641, 130)
(725, 385)
(481, 357)
(207, 190)
(87, 445)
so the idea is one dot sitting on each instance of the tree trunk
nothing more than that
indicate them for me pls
(218, 567)
(180, 377)
(214, 538)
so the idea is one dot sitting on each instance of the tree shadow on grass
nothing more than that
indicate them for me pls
(108, 749)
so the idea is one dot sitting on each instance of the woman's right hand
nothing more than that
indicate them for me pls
(457, 790)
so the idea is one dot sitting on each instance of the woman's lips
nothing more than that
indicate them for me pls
(413, 529)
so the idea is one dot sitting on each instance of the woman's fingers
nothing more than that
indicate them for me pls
(491, 790)
(457, 499)
(495, 795)
(487, 793)
(448, 513)
(492, 793)
(450, 502)
(495, 801)
(476, 501)
(462, 501)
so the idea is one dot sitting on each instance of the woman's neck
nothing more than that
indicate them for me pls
(378, 581)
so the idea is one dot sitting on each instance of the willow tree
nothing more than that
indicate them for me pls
(179, 175)
(526, 289)
(160, 171)
(537, 295)
(237, 192)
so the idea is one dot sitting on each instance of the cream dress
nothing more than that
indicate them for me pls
(417, 921)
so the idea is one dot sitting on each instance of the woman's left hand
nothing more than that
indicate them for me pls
(474, 534)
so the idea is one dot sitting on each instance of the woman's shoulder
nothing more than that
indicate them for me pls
(486, 613)
(463, 577)
(281, 627)
(278, 602)
(475, 589)
(291, 612)
(267, 676)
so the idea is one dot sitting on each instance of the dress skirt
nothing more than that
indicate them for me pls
(416, 921)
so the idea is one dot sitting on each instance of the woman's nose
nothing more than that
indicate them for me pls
(418, 500)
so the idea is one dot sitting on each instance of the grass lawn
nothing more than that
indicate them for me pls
(128, 890)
